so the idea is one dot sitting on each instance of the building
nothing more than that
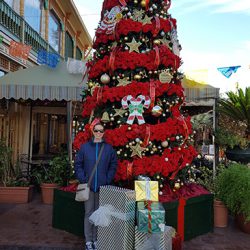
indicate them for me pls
(34, 119)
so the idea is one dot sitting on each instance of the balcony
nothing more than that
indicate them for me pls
(23, 32)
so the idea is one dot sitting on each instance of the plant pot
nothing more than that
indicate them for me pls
(239, 155)
(220, 214)
(16, 194)
(242, 225)
(47, 190)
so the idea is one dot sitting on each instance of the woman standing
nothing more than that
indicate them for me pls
(104, 174)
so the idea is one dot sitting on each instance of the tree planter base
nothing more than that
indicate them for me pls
(238, 155)
(220, 214)
(48, 192)
(16, 194)
(240, 222)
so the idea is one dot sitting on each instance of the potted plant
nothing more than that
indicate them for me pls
(14, 188)
(233, 188)
(233, 133)
(207, 179)
(52, 176)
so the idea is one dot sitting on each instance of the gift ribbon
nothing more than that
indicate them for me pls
(149, 208)
(102, 216)
(181, 215)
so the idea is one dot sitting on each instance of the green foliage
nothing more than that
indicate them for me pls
(202, 120)
(58, 171)
(226, 138)
(237, 107)
(233, 188)
(207, 179)
(10, 175)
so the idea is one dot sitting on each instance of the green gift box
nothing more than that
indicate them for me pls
(157, 217)
(68, 214)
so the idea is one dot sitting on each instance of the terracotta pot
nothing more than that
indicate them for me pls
(240, 222)
(48, 192)
(16, 194)
(220, 214)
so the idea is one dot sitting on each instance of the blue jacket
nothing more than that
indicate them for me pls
(85, 161)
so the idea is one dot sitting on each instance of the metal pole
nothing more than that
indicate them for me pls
(69, 129)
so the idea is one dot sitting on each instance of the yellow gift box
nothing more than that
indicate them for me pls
(146, 190)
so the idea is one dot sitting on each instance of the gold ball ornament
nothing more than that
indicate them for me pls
(156, 111)
(157, 42)
(164, 144)
(90, 84)
(143, 3)
(137, 77)
(105, 78)
(177, 185)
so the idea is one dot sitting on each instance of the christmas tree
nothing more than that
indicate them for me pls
(134, 88)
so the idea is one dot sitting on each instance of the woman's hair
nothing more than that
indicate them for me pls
(99, 123)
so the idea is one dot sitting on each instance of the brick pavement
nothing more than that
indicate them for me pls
(28, 227)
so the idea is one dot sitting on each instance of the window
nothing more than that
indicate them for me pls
(54, 32)
(2, 73)
(33, 13)
(78, 54)
(69, 46)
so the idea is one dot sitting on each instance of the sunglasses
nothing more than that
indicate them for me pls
(100, 131)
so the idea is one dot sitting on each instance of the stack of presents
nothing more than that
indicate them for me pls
(127, 219)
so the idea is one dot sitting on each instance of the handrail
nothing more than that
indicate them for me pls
(13, 22)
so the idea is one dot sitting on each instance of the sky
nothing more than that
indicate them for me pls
(212, 33)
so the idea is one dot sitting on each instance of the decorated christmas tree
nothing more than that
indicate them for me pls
(134, 88)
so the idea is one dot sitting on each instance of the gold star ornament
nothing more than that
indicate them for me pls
(137, 150)
(123, 82)
(146, 20)
(134, 46)
(119, 112)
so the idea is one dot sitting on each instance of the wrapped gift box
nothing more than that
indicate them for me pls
(119, 234)
(160, 241)
(157, 214)
(146, 190)
(68, 214)
(198, 215)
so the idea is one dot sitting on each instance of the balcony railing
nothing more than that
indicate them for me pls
(15, 24)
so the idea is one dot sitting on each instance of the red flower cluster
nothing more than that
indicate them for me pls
(170, 161)
(125, 26)
(158, 132)
(117, 93)
(130, 60)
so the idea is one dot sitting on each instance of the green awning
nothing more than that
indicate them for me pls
(42, 82)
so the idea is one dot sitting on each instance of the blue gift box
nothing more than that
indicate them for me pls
(157, 217)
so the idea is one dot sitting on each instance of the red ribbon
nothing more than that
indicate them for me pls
(181, 216)
(157, 26)
(157, 56)
(149, 208)
(129, 170)
(147, 136)
(152, 94)
(147, 4)
(99, 95)
(123, 2)
(93, 123)
(112, 60)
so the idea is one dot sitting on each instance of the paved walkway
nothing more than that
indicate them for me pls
(28, 227)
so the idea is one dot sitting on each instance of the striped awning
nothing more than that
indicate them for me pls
(42, 82)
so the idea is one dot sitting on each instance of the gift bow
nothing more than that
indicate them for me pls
(102, 216)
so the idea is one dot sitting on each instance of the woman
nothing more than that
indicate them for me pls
(104, 174)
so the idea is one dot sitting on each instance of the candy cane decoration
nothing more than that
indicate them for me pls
(135, 107)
